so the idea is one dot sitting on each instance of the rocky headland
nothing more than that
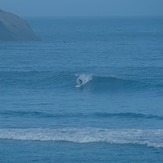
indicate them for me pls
(14, 28)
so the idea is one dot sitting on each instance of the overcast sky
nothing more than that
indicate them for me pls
(83, 7)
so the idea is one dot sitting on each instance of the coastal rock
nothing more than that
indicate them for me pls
(14, 28)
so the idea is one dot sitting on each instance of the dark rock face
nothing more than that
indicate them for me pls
(14, 28)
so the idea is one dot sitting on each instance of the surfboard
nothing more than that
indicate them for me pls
(79, 85)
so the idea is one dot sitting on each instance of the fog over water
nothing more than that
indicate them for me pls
(84, 7)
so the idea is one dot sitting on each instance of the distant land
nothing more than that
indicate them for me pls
(14, 28)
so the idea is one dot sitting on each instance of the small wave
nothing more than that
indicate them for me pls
(60, 80)
(36, 79)
(148, 137)
(38, 114)
(108, 83)
(130, 115)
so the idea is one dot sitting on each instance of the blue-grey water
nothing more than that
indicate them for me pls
(115, 116)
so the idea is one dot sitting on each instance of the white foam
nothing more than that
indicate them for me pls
(83, 79)
(149, 137)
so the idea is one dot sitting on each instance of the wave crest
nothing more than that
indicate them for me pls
(83, 79)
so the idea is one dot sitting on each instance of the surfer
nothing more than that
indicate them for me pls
(80, 81)
(83, 79)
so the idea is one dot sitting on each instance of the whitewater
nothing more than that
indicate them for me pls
(151, 138)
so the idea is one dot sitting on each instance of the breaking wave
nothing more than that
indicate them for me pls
(63, 80)
(148, 137)
(111, 84)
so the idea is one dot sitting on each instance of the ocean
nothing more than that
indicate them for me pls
(90, 91)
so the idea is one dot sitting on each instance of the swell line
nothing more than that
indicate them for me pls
(130, 115)
(103, 115)
(50, 79)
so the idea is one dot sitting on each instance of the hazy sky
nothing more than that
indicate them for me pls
(83, 7)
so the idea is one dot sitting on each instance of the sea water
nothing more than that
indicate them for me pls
(115, 116)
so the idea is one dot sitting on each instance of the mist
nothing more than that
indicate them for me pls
(84, 7)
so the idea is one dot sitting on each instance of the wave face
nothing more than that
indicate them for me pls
(60, 80)
(105, 83)
(148, 137)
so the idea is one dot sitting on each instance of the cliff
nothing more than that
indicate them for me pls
(14, 28)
